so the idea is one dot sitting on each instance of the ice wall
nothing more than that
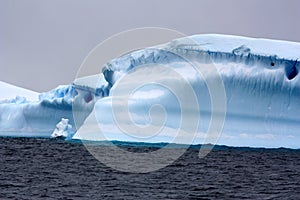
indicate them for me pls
(260, 78)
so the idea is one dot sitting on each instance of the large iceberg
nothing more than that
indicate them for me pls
(260, 79)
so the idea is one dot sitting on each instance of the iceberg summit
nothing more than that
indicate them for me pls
(261, 89)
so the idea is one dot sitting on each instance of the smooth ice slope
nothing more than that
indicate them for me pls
(8, 91)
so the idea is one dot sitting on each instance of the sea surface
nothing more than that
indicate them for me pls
(51, 169)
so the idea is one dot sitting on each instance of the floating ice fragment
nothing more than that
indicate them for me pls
(63, 130)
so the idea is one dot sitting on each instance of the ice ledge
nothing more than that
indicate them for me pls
(258, 46)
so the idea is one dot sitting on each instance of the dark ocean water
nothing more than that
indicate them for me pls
(45, 169)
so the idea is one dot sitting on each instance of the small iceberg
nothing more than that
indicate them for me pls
(63, 130)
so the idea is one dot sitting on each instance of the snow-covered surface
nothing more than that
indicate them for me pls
(261, 81)
(8, 91)
(258, 46)
(93, 81)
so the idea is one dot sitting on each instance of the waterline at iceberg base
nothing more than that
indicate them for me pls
(260, 78)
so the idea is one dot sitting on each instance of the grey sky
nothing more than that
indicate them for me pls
(43, 43)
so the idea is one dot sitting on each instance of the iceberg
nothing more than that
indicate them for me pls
(259, 76)
(63, 130)
(38, 118)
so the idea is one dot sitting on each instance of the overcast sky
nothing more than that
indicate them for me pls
(43, 43)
